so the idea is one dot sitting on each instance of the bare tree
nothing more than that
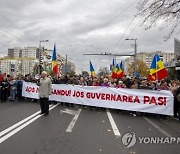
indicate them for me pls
(165, 12)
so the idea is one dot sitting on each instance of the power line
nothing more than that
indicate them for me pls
(123, 33)
(132, 30)
(107, 23)
(135, 27)
(110, 21)
(15, 37)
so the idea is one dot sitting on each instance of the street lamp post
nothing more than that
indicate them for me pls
(39, 68)
(135, 55)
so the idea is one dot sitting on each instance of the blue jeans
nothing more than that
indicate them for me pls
(12, 94)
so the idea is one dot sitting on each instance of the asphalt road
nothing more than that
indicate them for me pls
(80, 130)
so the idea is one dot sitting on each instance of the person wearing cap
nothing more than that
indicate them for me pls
(45, 89)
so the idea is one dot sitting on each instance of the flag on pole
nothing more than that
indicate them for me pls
(92, 69)
(114, 73)
(121, 66)
(157, 69)
(120, 70)
(117, 71)
(54, 61)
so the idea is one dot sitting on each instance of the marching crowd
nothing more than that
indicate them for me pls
(11, 88)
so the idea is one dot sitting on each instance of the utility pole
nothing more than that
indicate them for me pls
(39, 66)
(39, 56)
(66, 65)
(135, 55)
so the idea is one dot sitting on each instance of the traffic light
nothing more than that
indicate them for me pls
(41, 60)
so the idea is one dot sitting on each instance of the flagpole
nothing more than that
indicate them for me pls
(57, 65)
(156, 69)
(115, 60)
(39, 55)
(57, 71)
(89, 67)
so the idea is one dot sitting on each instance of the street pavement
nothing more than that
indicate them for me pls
(83, 130)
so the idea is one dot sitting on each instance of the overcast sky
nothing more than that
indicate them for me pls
(78, 27)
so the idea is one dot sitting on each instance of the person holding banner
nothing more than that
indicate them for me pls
(19, 89)
(45, 89)
(4, 85)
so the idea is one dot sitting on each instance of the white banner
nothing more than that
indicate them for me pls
(160, 102)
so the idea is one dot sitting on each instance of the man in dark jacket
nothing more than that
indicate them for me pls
(4, 89)
(19, 89)
(177, 103)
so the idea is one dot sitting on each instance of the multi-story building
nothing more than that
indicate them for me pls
(29, 52)
(147, 58)
(14, 52)
(9, 66)
(18, 52)
(22, 60)
(15, 66)
(27, 66)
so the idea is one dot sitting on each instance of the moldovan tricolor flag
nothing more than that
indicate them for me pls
(120, 70)
(54, 61)
(157, 69)
(114, 73)
(92, 69)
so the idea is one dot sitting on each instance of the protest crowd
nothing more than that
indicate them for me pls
(11, 87)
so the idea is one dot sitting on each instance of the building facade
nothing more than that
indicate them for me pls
(14, 52)
(16, 66)
(22, 60)
(30, 52)
(18, 52)
(147, 58)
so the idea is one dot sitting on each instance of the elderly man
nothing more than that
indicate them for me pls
(45, 88)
